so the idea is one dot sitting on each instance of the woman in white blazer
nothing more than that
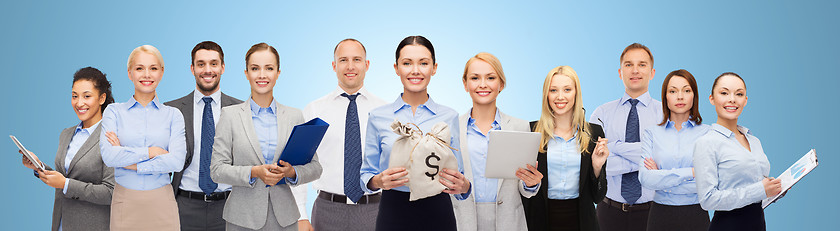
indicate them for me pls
(495, 204)
(246, 150)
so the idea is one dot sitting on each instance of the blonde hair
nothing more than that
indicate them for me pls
(148, 49)
(545, 126)
(489, 59)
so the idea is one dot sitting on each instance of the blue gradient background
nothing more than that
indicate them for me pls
(784, 50)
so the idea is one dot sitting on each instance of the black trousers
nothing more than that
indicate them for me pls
(681, 217)
(750, 217)
(613, 219)
(563, 215)
(431, 213)
(200, 215)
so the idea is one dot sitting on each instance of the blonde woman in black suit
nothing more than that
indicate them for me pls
(83, 184)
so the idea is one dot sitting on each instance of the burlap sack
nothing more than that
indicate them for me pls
(424, 159)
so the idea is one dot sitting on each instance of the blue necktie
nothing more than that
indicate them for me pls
(631, 188)
(352, 151)
(208, 131)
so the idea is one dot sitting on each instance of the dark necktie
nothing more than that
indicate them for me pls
(208, 131)
(631, 189)
(352, 151)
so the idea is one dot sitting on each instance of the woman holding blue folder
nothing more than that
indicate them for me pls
(246, 151)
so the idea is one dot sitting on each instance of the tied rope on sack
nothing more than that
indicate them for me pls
(421, 149)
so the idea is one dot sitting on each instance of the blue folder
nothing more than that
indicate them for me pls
(303, 142)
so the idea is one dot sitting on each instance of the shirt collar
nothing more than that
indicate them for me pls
(255, 109)
(363, 93)
(430, 105)
(88, 130)
(644, 99)
(133, 103)
(689, 123)
(197, 96)
(728, 133)
(496, 121)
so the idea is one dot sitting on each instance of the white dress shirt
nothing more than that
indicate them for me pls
(332, 108)
(189, 181)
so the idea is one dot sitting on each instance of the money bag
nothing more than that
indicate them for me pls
(430, 156)
(410, 134)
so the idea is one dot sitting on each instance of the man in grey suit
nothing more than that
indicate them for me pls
(200, 200)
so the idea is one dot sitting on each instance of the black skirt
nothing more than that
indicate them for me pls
(750, 217)
(563, 215)
(671, 217)
(431, 213)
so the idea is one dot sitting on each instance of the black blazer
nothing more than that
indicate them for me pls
(591, 189)
(185, 104)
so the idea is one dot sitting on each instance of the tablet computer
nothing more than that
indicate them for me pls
(26, 153)
(509, 151)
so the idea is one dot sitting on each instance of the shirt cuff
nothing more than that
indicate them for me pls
(465, 195)
(293, 181)
(66, 185)
(252, 180)
(531, 189)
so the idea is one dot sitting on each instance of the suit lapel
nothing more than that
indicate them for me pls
(90, 143)
(63, 144)
(503, 125)
(248, 124)
(282, 132)
(187, 109)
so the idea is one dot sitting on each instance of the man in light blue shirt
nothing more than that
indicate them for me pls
(627, 203)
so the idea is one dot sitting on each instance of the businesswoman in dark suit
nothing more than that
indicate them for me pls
(729, 163)
(83, 184)
(415, 64)
(495, 204)
(246, 150)
(573, 155)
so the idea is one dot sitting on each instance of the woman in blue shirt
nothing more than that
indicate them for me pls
(415, 64)
(83, 184)
(667, 151)
(246, 152)
(494, 204)
(143, 140)
(573, 155)
(730, 166)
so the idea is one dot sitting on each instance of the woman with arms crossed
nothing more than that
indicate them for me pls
(730, 166)
(246, 151)
(495, 204)
(574, 154)
(83, 183)
(667, 151)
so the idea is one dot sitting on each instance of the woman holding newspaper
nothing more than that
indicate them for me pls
(416, 111)
(249, 138)
(495, 204)
(730, 166)
(573, 156)
(83, 184)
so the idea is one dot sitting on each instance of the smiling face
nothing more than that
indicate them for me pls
(207, 69)
(350, 66)
(482, 83)
(636, 71)
(86, 100)
(145, 72)
(262, 72)
(415, 68)
(679, 95)
(729, 96)
(561, 95)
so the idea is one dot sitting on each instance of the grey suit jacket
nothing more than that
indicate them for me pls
(236, 149)
(87, 204)
(185, 104)
(509, 212)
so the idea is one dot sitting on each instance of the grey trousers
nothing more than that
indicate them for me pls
(199, 215)
(328, 215)
(270, 223)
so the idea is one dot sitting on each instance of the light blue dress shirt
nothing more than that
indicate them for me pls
(728, 175)
(625, 157)
(138, 128)
(477, 142)
(563, 158)
(265, 125)
(189, 179)
(380, 137)
(673, 152)
(80, 136)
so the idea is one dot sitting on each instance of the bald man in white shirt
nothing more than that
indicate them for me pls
(341, 206)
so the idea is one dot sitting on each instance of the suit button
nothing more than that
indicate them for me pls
(75, 198)
(500, 202)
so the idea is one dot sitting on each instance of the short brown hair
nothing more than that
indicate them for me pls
(636, 46)
(694, 113)
(260, 47)
(207, 45)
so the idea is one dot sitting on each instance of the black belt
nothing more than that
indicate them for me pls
(627, 207)
(216, 196)
(366, 199)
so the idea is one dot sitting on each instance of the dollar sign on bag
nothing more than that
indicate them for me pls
(430, 165)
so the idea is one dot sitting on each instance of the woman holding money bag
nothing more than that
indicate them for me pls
(415, 64)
